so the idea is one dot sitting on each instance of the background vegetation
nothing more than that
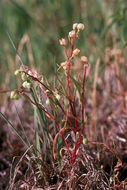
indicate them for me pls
(46, 21)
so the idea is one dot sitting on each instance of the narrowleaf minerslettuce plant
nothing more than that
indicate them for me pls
(59, 156)
(58, 104)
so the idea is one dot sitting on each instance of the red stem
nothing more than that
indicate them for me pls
(68, 78)
(69, 64)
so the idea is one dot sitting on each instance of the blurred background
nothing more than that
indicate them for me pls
(34, 27)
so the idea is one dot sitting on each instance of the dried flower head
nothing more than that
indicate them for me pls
(72, 34)
(75, 52)
(80, 26)
(62, 42)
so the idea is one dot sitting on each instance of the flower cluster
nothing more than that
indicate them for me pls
(25, 76)
(77, 27)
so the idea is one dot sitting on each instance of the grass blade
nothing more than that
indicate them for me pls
(37, 142)
(27, 139)
(16, 131)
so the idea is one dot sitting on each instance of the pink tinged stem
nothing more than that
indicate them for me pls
(69, 64)
(68, 73)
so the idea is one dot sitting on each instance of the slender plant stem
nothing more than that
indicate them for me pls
(72, 43)
(83, 125)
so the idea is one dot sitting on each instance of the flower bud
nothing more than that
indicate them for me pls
(75, 52)
(84, 59)
(57, 96)
(77, 134)
(75, 26)
(14, 95)
(80, 26)
(30, 73)
(21, 68)
(72, 34)
(85, 140)
(62, 42)
(24, 77)
(47, 101)
(64, 65)
(17, 72)
(47, 91)
(26, 85)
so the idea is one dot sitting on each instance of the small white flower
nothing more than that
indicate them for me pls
(14, 95)
(17, 72)
(30, 73)
(62, 42)
(85, 140)
(80, 26)
(72, 34)
(47, 91)
(64, 65)
(47, 101)
(75, 26)
(24, 77)
(57, 96)
(26, 85)
(75, 52)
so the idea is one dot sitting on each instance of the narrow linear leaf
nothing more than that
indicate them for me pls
(16, 131)
(37, 142)
(22, 126)
(77, 85)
